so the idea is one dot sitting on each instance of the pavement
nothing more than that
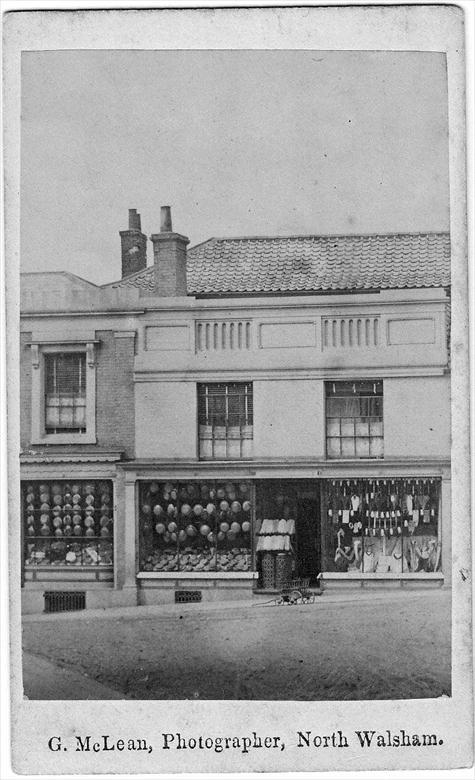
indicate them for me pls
(43, 679)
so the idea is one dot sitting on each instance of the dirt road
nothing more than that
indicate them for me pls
(379, 647)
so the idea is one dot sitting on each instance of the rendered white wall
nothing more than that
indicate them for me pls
(289, 418)
(166, 420)
(417, 417)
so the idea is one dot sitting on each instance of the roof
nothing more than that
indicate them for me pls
(226, 266)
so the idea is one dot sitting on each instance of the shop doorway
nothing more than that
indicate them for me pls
(288, 521)
(308, 545)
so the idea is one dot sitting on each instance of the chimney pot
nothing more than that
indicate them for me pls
(166, 220)
(133, 246)
(134, 220)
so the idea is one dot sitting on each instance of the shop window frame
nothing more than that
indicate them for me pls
(83, 540)
(382, 525)
(354, 419)
(39, 351)
(225, 451)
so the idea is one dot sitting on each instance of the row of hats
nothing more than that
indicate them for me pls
(194, 492)
(198, 511)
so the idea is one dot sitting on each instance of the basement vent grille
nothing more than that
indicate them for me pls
(64, 601)
(187, 596)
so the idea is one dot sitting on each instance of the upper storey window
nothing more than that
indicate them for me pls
(225, 420)
(63, 393)
(65, 396)
(354, 419)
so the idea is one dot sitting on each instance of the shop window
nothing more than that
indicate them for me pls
(354, 419)
(195, 526)
(225, 420)
(65, 392)
(68, 523)
(381, 526)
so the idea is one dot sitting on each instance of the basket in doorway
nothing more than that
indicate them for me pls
(283, 569)
(268, 570)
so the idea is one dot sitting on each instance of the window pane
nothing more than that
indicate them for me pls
(361, 427)
(348, 448)
(376, 407)
(376, 427)
(333, 427)
(333, 448)
(347, 427)
(362, 448)
(376, 448)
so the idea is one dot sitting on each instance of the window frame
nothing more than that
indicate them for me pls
(368, 419)
(39, 434)
(249, 414)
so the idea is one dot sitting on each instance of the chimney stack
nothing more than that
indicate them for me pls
(134, 246)
(169, 258)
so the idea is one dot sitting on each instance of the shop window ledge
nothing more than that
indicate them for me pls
(197, 575)
(374, 575)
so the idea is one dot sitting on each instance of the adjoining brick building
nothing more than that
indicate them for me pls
(246, 409)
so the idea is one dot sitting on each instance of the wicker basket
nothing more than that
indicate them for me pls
(283, 569)
(268, 570)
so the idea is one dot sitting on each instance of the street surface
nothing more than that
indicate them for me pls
(373, 645)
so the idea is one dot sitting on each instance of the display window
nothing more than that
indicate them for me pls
(68, 523)
(381, 526)
(195, 526)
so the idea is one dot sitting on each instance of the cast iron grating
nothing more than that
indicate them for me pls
(64, 601)
(186, 596)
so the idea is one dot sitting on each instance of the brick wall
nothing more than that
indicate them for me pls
(115, 410)
(169, 264)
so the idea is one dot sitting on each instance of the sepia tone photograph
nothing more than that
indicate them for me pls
(235, 409)
(239, 506)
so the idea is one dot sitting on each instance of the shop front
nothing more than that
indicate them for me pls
(121, 536)
(225, 538)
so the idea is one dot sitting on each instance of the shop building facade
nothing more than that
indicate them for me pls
(244, 405)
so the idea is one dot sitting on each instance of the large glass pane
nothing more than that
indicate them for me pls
(381, 526)
(233, 513)
(68, 523)
(200, 526)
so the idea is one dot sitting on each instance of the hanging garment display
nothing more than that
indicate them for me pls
(369, 523)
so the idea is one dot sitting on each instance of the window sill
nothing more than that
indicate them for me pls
(197, 575)
(389, 575)
(65, 438)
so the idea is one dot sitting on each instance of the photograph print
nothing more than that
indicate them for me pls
(235, 375)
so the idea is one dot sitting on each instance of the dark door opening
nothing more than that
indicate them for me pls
(308, 552)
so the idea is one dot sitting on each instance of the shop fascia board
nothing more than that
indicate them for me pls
(71, 457)
(381, 371)
(287, 468)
